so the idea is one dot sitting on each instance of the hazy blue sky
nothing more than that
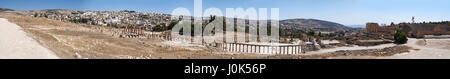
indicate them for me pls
(347, 12)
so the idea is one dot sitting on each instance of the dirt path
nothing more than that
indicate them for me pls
(15, 44)
(322, 51)
(432, 49)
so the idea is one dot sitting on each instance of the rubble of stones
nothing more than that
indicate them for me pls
(355, 37)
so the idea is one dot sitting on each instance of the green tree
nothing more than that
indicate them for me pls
(84, 20)
(300, 36)
(311, 33)
(157, 28)
(320, 34)
(400, 37)
(331, 35)
(171, 25)
(35, 15)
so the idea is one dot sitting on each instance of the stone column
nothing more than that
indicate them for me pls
(259, 49)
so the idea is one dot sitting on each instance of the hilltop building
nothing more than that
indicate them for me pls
(417, 30)
(427, 29)
(375, 28)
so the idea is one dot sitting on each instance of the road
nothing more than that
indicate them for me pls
(15, 44)
(430, 51)
(351, 48)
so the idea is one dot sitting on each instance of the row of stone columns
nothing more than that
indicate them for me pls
(137, 33)
(159, 36)
(260, 49)
(134, 30)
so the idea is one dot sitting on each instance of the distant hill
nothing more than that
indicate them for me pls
(357, 26)
(5, 9)
(312, 24)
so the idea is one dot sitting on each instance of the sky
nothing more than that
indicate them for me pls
(347, 12)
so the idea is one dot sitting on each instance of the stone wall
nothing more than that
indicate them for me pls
(420, 30)
(372, 27)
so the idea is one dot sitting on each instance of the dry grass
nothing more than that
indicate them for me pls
(72, 40)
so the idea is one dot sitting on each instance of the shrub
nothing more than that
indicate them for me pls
(400, 37)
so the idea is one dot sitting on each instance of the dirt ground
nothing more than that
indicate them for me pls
(425, 49)
(72, 40)
(15, 44)
(81, 41)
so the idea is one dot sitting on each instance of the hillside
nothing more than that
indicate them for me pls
(357, 26)
(312, 24)
(5, 9)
